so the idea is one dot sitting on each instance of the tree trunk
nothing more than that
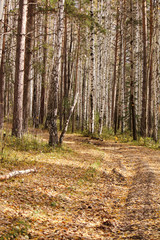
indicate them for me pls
(132, 104)
(92, 72)
(42, 104)
(114, 89)
(27, 68)
(19, 72)
(150, 72)
(2, 83)
(68, 119)
(55, 79)
(2, 3)
(144, 88)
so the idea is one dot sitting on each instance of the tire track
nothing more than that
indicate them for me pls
(141, 213)
(141, 217)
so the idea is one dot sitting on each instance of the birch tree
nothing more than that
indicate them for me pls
(55, 79)
(92, 71)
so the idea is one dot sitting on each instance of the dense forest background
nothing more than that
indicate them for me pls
(90, 65)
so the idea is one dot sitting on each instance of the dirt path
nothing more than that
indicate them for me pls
(140, 217)
(88, 190)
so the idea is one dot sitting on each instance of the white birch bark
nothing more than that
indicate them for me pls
(68, 119)
(102, 70)
(2, 3)
(55, 79)
(16, 173)
(92, 72)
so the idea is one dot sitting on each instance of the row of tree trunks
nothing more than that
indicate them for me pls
(109, 56)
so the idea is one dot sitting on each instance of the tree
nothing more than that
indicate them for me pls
(144, 91)
(132, 103)
(92, 70)
(55, 79)
(19, 71)
(2, 83)
(43, 84)
(27, 66)
(2, 3)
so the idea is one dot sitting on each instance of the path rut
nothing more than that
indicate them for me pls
(140, 215)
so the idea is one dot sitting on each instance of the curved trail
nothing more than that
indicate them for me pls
(140, 215)
(136, 208)
(87, 190)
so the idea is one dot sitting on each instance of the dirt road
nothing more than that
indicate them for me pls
(86, 190)
(140, 213)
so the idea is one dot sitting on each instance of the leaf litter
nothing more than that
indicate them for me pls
(89, 189)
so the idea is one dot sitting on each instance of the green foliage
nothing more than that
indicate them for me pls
(83, 17)
(27, 143)
(126, 137)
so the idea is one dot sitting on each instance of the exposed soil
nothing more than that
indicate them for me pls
(90, 190)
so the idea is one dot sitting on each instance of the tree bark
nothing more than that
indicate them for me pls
(2, 82)
(114, 89)
(19, 72)
(132, 74)
(2, 3)
(42, 104)
(92, 72)
(150, 71)
(55, 79)
(68, 119)
(144, 88)
(27, 68)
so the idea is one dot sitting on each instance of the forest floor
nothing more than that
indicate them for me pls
(88, 190)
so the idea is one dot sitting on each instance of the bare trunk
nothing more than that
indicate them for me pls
(2, 83)
(55, 79)
(92, 73)
(27, 69)
(144, 89)
(132, 75)
(150, 72)
(19, 73)
(68, 119)
(43, 85)
(114, 89)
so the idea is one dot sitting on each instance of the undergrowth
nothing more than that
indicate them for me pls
(125, 137)
(27, 143)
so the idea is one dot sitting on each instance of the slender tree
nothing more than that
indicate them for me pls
(55, 79)
(92, 71)
(132, 103)
(2, 82)
(27, 67)
(19, 71)
(144, 90)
